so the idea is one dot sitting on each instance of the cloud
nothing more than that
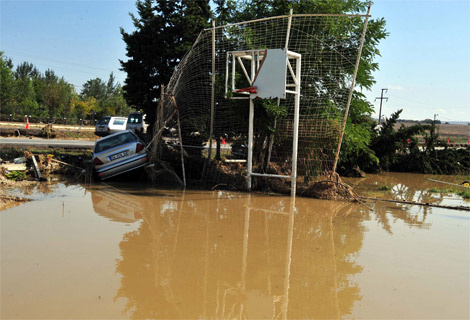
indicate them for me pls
(396, 88)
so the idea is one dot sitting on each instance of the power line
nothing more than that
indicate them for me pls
(64, 68)
(59, 61)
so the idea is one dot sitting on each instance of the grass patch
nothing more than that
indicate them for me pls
(90, 135)
(16, 175)
(464, 194)
(436, 190)
(384, 188)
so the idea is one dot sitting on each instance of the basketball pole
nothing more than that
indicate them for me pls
(249, 165)
(293, 187)
(250, 142)
(295, 138)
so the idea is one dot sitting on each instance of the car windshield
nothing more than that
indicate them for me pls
(119, 121)
(104, 120)
(135, 118)
(114, 141)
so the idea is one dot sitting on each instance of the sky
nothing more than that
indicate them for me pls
(425, 62)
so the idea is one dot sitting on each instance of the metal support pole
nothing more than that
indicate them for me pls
(289, 23)
(250, 125)
(181, 145)
(358, 59)
(296, 129)
(211, 134)
(160, 120)
(250, 142)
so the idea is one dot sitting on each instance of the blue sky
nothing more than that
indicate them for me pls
(425, 61)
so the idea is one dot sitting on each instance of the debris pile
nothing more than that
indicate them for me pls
(330, 188)
(48, 131)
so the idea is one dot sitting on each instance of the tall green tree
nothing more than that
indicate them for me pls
(108, 96)
(355, 148)
(58, 96)
(164, 32)
(94, 88)
(25, 95)
(6, 83)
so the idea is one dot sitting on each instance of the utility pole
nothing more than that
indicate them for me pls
(381, 99)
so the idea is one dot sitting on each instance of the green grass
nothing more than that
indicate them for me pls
(384, 188)
(463, 193)
(436, 190)
(16, 175)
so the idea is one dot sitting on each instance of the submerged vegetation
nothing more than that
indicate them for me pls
(384, 188)
(463, 193)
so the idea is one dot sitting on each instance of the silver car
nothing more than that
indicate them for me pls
(108, 125)
(118, 153)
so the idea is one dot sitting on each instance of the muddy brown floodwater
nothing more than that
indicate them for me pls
(112, 251)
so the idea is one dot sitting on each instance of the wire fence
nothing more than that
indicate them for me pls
(214, 120)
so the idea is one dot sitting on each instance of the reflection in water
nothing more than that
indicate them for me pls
(408, 187)
(116, 206)
(385, 212)
(233, 255)
(99, 252)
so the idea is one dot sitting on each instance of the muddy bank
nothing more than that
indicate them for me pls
(48, 131)
(6, 200)
(20, 171)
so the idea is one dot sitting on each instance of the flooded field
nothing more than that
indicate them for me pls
(109, 251)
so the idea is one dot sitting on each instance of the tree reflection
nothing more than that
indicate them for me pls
(227, 255)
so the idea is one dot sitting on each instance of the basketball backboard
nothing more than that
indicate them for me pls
(265, 69)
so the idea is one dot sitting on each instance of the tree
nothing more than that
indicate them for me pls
(27, 70)
(58, 96)
(389, 143)
(25, 96)
(165, 31)
(108, 96)
(355, 148)
(94, 88)
(85, 107)
(6, 83)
